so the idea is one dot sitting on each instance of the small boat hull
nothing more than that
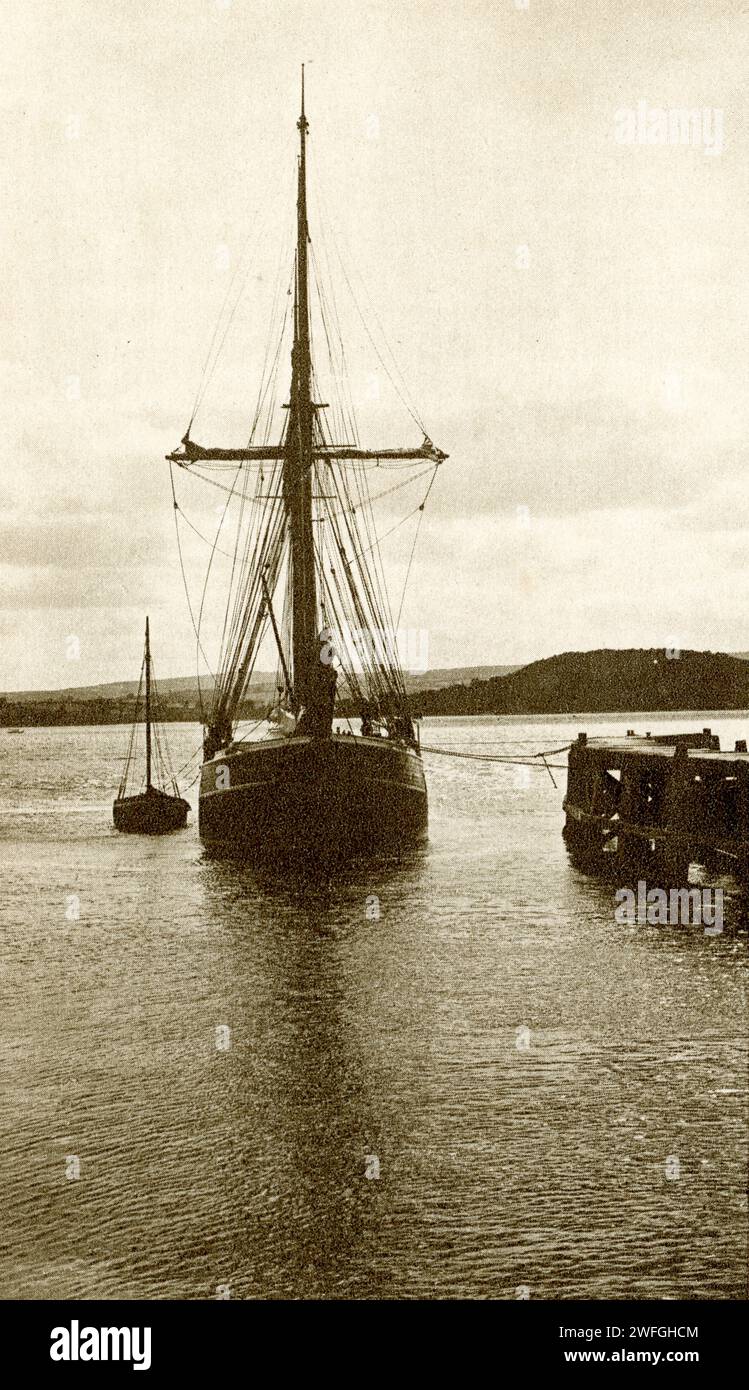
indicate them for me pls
(151, 813)
(292, 798)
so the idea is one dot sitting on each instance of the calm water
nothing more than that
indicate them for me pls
(358, 1040)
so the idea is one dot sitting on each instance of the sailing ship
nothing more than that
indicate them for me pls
(153, 811)
(309, 574)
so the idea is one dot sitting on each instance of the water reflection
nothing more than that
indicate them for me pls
(306, 1095)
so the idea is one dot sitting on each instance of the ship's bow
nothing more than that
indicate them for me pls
(331, 797)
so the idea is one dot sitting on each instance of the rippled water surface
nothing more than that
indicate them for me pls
(358, 1041)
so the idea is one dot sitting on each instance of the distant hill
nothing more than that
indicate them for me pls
(456, 675)
(186, 687)
(602, 682)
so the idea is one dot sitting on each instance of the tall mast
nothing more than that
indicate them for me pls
(298, 452)
(148, 710)
(301, 449)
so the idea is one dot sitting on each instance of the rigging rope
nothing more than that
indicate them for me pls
(323, 219)
(257, 227)
(187, 591)
(413, 547)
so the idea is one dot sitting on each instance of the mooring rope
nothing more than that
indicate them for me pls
(531, 761)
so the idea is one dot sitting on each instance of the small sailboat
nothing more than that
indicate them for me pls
(152, 811)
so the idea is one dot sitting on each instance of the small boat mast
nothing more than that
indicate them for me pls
(148, 709)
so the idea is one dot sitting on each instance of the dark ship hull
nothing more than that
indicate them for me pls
(151, 813)
(298, 797)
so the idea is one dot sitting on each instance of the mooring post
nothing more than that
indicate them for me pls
(742, 828)
(677, 819)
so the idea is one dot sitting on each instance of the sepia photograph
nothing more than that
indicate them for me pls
(374, 708)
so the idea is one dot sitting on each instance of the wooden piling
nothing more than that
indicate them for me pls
(645, 808)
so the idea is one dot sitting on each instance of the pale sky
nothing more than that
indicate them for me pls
(571, 313)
